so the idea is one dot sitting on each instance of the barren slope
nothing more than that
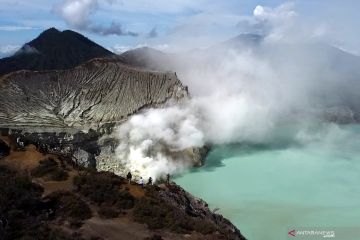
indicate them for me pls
(98, 92)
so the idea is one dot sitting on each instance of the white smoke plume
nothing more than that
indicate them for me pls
(152, 143)
(243, 94)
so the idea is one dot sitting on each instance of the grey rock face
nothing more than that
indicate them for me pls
(82, 157)
(89, 96)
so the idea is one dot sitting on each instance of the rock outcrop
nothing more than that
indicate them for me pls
(177, 197)
(89, 96)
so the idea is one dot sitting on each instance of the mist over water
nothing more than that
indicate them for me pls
(278, 110)
(253, 96)
(243, 92)
(270, 105)
(266, 189)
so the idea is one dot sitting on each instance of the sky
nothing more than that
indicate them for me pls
(175, 25)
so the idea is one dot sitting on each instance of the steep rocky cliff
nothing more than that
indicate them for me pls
(91, 95)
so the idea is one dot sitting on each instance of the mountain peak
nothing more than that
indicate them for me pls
(49, 33)
(51, 30)
(54, 50)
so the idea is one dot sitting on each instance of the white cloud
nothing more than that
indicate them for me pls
(8, 50)
(283, 12)
(275, 22)
(118, 48)
(284, 23)
(161, 6)
(27, 49)
(202, 30)
(11, 28)
(77, 14)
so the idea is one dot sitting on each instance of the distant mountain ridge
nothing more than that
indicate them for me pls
(147, 58)
(333, 74)
(153, 59)
(53, 50)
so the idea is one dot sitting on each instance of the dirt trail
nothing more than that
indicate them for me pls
(54, 186)
(124, 229)
(110, 229)
(24, 160)
(136, 190)
(29, 158)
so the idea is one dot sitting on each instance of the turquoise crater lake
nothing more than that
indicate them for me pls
(267, 189)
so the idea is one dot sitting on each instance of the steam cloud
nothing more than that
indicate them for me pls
(77, 15)
(152, 143)
(244, 95)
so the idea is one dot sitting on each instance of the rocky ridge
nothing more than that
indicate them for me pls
(89, 96)
(53, 109)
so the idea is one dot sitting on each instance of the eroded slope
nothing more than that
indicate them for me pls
(98, 92)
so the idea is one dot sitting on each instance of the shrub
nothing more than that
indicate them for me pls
(75, 223)
(21, 204)
(59, 175)
(17, 192)
(203, 226)
(59, 235)
(51, 168)
(104, 188)
(45, 233)
(108, 212)
(67, 205)
(157, 214)
(96, 238)
(154, 237)
(45, 167)
(150, 212)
